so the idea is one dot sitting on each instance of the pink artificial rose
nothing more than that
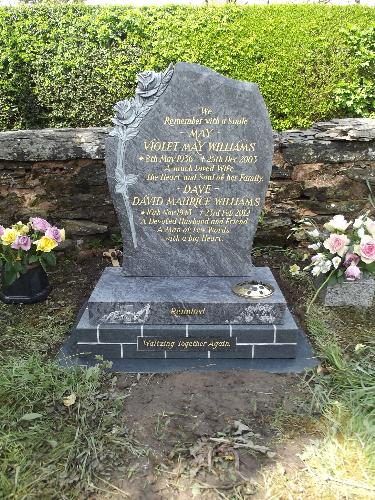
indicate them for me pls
(351, 258)
(22, 243)
(39, 224)
(2, 229)
(352, 273)
(54, 233)
(367, 249)
(337, 243)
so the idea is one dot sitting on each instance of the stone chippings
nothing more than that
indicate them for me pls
(321, 171)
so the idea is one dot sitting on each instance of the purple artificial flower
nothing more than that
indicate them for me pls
(353, 272)
(39, 224)
(54, 233)
(351, 258)
(2, 229)
(22, 243)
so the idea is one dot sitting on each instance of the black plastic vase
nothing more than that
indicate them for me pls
(32, 286)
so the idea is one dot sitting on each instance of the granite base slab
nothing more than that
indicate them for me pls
(186, 341)
(304, 360)
(121, 299)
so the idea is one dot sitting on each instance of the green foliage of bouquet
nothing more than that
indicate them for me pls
(23, 245)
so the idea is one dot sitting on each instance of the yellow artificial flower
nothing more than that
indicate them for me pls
(9, 236)
(45, 244)
(294, 270)
(23, 229)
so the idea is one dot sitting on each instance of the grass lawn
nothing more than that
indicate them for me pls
(92, 434)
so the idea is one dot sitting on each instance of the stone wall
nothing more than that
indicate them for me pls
(59, 174)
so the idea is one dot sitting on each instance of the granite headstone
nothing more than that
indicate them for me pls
(188, 166)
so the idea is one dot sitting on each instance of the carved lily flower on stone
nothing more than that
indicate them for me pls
(148, 83)
(125, 112)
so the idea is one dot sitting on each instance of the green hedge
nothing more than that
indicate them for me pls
(67, 65)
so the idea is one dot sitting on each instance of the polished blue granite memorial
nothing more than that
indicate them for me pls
(188, 165)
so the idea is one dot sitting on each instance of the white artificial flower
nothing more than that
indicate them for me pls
(358, 222)
(370, 226)
(319, 257)
(314, 233)
(326, 266)
(315, 246)
(361, 232)
(316, 271)
(336, 261)
(338, 223)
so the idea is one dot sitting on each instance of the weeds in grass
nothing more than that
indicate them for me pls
(313, 481)
(36, 329)
(47, 447)
(345, 395)
(345, 391)
(61, 430)
(341, 464)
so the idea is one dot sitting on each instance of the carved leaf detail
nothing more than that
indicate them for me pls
(131, 179)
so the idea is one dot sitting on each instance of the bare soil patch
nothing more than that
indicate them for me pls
(206, 432)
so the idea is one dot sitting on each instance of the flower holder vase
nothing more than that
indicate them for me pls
(32, 286)
(358, 293)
